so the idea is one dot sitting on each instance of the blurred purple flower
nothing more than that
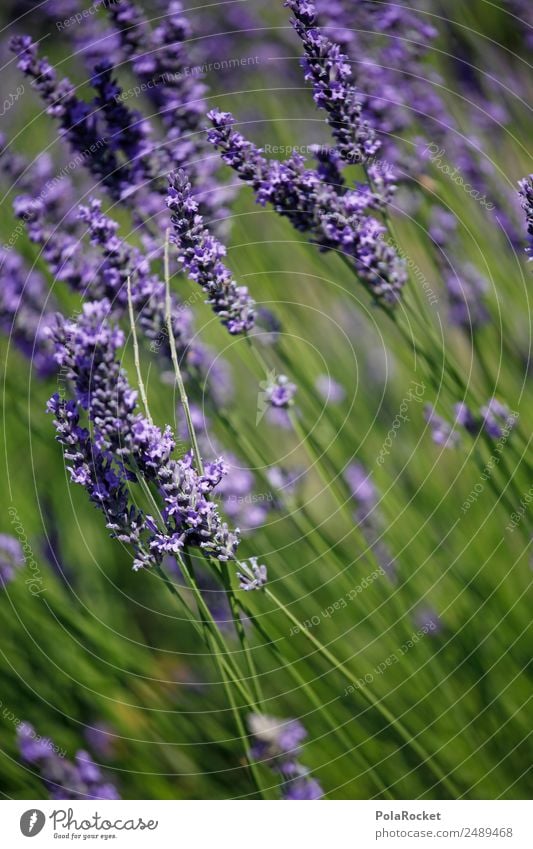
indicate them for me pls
(328, 389)
(277, 744)
(11, 558)
(64, 779)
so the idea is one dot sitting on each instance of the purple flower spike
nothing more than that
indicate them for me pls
(200, 253)
(124, 445)
(329, 71)
(526, 192)
(79, 122)
(332, 216)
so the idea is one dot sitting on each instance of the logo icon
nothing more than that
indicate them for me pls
(32, 822)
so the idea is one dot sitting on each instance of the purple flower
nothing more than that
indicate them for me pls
(33, 747)
(124, 445)
(333, 217)
(466, 287)
(200, 253)
(128, 131)
(11, 558)
(78, 120)
(368, 517)
(465, 418)
(526, 193)
(252, 577)
(302, 788)
(276, 738)
(280, 392)
(64, 779)
(329, 71)
(161, 58)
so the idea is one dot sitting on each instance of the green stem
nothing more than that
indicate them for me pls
(136, 356)
(174, 356)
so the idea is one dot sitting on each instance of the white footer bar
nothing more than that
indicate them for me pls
(268, 825)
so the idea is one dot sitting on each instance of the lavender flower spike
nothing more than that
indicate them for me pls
(333, 219)
(123, 446)
(328, 69)
(526, 191)
(201, 254)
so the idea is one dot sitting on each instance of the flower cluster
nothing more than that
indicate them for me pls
(200, 253)
(64, 779)
(277, 744)
(78, 119)
(334, 218)
(124, 447)
(389, 48)
(327, 68)
(122, 262)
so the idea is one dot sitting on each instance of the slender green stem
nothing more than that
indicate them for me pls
(136, 356)
(174, 356)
